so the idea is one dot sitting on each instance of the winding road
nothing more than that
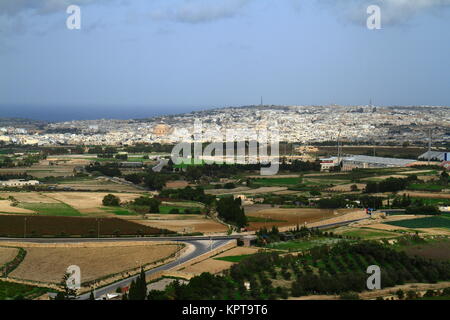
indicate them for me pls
(200, 245)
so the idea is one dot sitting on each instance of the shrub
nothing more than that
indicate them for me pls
(111, 200)
(349, 296)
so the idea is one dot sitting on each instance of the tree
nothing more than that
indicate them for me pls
(111, 200)
(121, 157)
(230, 210)
(193, 173)
(154, 181)
(400, 294)
(68, 293)
(138, 288)
(444, 178)
(152, 203)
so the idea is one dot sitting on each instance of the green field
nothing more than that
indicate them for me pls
(11, 291)
(262, 219)
(166, 209)
(425, 187)
(429, 222)
(275, 182)
(435, 298)
(299, 245)
(51, 209)
(432, 201)
(119, 211)
(368, 234)
(233, 258)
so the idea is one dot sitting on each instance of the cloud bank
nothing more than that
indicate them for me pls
(39, 7)
(200, 11)
(393, 11)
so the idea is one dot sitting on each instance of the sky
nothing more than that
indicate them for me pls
(140, 58)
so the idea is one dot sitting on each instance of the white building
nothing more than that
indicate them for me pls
(18, 183)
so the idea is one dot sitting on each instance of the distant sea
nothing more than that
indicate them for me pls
(64, 113)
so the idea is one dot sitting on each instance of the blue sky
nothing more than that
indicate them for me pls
(136, 58)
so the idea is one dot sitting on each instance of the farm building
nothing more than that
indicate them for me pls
(435, 156)
(326, 164)
(130, 164)
(446, 165)
(18, 183)
(349, 163)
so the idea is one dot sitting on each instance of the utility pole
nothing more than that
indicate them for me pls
(339, 147)
(430, 132)
(98, 228)
(374, 152)
(25, 227)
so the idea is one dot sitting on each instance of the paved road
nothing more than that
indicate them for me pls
(200, 247)
(121, 239)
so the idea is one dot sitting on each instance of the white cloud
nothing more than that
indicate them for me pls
(199, 11)
(40, 7)
(393, 11)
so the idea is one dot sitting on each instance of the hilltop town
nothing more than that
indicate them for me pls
(297, 124)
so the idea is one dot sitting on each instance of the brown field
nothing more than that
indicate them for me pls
(213, 266)
(208, 265)
(6, 207)
(419, 194)
(432, 250)
(84, 202)
(29, 197)
(347, 187)
(14, 226)
(287, 192)
(426, 194)
(88, 202)
(277, 176)
(386, 227)
(237, 251)
(44, 169)
(179, 184)
(7, 254)
(48, 264)
(245, 190)
(96, 185)
(227, 191)
(385, 177)
(290, 217)
(180, 223)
